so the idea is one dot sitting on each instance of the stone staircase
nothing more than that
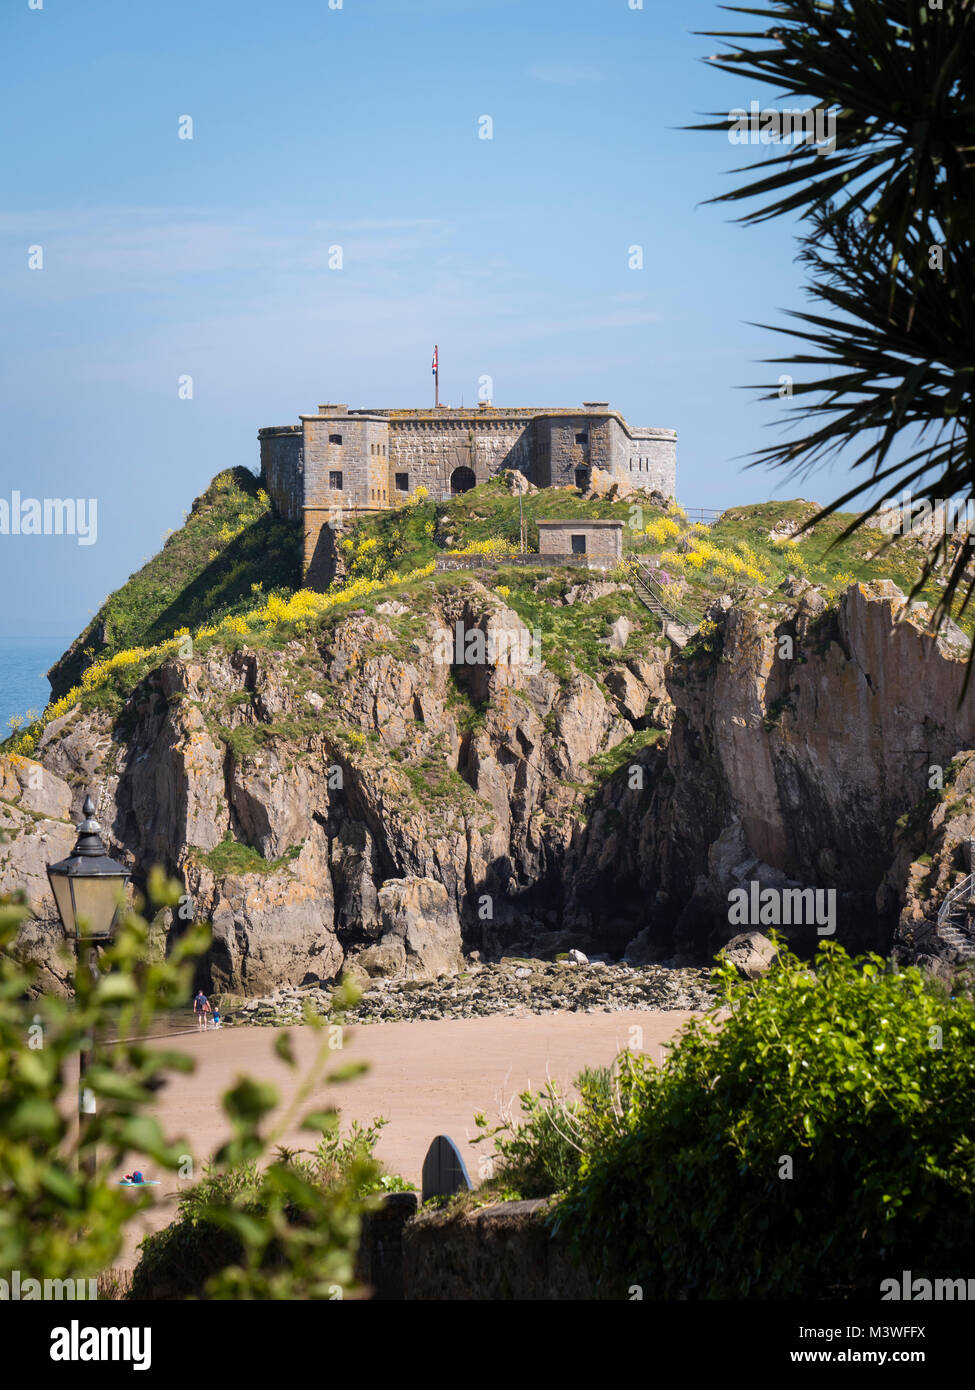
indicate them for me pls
(955, 926)
(677, 626)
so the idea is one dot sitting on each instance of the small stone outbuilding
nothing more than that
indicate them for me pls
(598, 542)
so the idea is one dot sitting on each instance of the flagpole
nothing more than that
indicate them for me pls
(436, 376)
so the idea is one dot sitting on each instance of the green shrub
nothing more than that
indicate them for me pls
(860, 1079)
(63, 1214)
(540, 1154)
(55, 1221)
(203, 1253)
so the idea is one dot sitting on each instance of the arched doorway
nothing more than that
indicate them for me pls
(462, 480)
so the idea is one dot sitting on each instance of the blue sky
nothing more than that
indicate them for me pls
(357, 127)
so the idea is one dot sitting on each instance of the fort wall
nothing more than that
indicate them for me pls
(429, 450)
(339, 464)
(281, 469)
(647, 458)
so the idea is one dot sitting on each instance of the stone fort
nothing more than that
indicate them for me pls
(340, 464)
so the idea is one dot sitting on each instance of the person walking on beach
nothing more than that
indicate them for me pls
(216, 1015)
(201, 1007)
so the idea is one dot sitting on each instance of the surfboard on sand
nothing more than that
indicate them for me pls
(444, 1170)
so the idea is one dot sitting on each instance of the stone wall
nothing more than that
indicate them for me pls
(357, 449)
(646, 458)
(429, 448)
(320, 559)
(379, 1261)
(490, 562)
(575, 442)
(566, 444)
(281, 469)
(501, 1252)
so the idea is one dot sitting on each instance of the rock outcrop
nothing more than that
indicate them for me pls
(795, 750)
(419, 932)
(37, 829)
(751, 954)
(361, 795)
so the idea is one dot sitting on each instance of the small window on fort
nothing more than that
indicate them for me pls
(578, 545)
(335, 480)
(402, 482)
(582, 437)
(335, 439)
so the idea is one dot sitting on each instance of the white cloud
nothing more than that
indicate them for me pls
(88, 252)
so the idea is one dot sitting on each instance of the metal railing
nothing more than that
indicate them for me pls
(661, 602)
(965, 889)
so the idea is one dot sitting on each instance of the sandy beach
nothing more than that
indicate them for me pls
(425, 1078)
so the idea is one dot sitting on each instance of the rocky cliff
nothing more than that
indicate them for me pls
(365, 792)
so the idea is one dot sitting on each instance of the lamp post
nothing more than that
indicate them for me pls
(87, 888)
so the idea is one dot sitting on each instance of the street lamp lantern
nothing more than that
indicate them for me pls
(88, 886)
(88, 890)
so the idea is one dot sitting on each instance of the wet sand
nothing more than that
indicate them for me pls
(425, 1078)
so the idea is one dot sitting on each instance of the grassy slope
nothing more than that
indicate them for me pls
(866, 556)
(414, 535)
(229, 542)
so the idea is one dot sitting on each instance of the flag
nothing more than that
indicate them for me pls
(433, 367)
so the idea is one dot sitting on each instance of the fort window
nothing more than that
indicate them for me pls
(335, 439)
(582, 437)
(403, 482)
(578, 545)
(335, 480)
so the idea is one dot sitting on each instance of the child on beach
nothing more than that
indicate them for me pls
(216, 1015)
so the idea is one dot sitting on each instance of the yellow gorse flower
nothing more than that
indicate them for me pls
(299, 607)
(661, 529)
(494, 546)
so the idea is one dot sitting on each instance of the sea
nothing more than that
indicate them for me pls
(23, 684)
